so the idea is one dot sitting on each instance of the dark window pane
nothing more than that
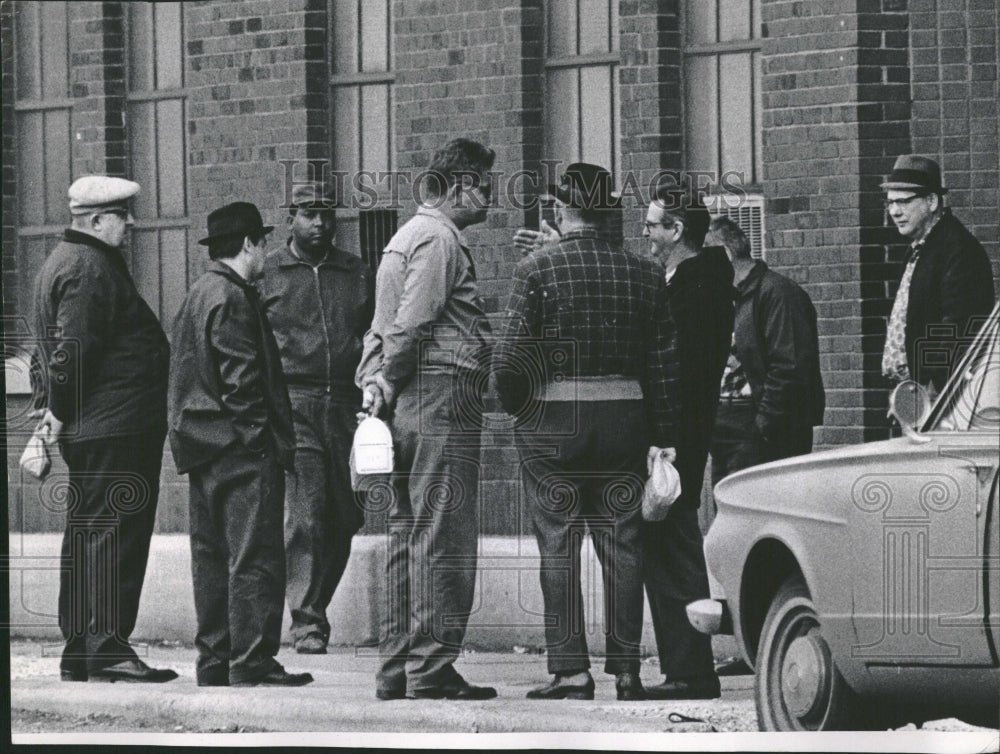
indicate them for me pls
(345, 36)
(27, 29)
(562, 28)
(702, 115)
(173, 272)
(169, 46)
(170, 157)
(31, 168)
(596, 126)
(375, 127)
(700, 22)
(55, 66)
(737, 136)
(375, 36)
(346, 115)
(595, 25)
(57, 165)
(142, 148)
(562, 135)
(140, 47)
(734, 20)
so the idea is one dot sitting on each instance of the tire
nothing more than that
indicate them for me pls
(787, 698)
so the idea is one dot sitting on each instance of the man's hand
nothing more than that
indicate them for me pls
(531, 240)
(377, 395)
(51, 428)
(669, 453)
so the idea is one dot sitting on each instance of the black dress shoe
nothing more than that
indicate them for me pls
(214, 676)
(457, 689)
(132, 671)
(73, 674)
(388, 695)
(733, 667)
(629, 687)
(560, 688)
(278, 676)
(702, 687)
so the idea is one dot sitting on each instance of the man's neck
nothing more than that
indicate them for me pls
(922, 236)
(741, 268)
(240, 264)
(680, 253)
(312, 256)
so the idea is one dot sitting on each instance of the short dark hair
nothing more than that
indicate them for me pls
(458, 158)
(731, 236)
(682, 201)
(230, 246)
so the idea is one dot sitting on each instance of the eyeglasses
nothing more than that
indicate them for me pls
(906, 201)
(666, 224)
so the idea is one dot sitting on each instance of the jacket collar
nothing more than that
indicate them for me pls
(435, 214)
(752, 281)
(75, 236)
(711, 259)
(581, 233)
(220, 268)
(289, 257)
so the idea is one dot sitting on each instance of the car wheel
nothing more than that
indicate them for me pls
(798, 687)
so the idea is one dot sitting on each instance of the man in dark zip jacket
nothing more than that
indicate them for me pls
(231, 431)
(319, 300)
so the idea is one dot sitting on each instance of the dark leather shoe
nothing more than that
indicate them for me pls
(278, 676)
(73, 674)
(702, 687)
(629, 687)
(388, 695)
(560, 688)
(213, 676)
(313, 644)
(733, 667)
(132, 671)
(458, 689)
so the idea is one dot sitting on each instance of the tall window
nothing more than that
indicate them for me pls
(43, 111)
(581, 82)
(722, 92)
(361, 117)
(155, 130)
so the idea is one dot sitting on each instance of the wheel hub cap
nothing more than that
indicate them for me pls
(804, 675)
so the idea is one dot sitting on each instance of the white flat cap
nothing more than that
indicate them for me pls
(98, 192)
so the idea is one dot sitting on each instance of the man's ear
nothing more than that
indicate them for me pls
(290, 219)
(935, 202)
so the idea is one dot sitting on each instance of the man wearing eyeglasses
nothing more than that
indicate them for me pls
(101, 379)
(946, 290)
(700, 297)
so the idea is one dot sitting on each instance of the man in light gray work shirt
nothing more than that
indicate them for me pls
(423, 369)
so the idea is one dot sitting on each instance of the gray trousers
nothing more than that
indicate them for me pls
(433, 533)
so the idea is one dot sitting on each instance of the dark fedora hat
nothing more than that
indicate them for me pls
(585, 186)
(917, 173)
(236, 219)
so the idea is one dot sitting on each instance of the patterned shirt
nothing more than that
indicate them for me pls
(585, 308)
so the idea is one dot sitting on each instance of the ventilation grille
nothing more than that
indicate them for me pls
(747, 212)
(375, 228)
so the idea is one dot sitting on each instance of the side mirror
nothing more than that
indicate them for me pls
(909, 404)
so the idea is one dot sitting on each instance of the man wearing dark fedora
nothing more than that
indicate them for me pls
(102, 359)
(585, 422)
(700, 304)
(319, 300)
(231, 432)
(946, 290)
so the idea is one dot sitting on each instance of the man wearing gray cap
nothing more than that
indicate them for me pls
(946, 290)
(102, 379)
(319, 300)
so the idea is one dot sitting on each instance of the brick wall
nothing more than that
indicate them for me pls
(9, 282)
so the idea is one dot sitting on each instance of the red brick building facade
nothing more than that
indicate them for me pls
(203, 103)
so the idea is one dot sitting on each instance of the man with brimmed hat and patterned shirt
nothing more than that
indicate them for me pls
(319, 301)
(231, 432)
(587, 308)
(946, 290)
(101, 379)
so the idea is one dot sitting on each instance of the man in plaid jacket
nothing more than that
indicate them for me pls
(584, 364)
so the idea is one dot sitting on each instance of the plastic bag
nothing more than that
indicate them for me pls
(371, 452)
(663, 486)
(35, 458)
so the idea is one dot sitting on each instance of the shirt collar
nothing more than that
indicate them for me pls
(290, 256)
(581, 233)
(436, 214)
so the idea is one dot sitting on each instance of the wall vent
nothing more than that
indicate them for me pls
(747, 211)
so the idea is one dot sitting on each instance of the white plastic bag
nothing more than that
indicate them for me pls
(663, 486)
(35, 458)
(371, 452)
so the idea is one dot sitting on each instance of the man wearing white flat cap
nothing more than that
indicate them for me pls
(102, 379)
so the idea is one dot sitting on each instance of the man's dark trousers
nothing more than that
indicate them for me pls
(237, 564)
(584, 468)
(322, 514)
(433, 532)
(114, 485)
(737, 443)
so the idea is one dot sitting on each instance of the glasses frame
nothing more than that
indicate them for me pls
(906, 201)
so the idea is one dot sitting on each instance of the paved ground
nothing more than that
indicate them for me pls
(342, 700)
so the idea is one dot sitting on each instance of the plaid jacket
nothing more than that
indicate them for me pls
(585, 308)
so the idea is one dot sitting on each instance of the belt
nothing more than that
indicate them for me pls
(603, 388)
(735, 400)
